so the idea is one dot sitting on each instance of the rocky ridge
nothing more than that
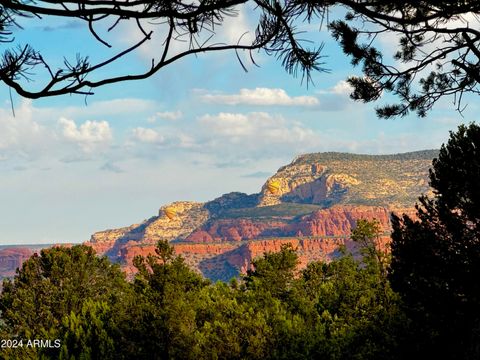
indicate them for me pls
(320, 198)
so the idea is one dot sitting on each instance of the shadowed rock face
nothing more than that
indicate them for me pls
(320, 198)
(234, 262)
(12, 258)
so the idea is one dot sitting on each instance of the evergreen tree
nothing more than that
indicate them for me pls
(161, 322)
(88, 334)
(436, 257)
(274, 272)
(67, 294)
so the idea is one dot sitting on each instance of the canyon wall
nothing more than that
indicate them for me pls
(320, 198)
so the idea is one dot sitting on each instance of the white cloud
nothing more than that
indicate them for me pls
(341, 88)
(260, 97)
(238, 27)
(233, 137)
(166, 138)
(336, 98)
(57, 132)
(88, 135)
(48, 133)
(21, 135)
(257, 131)
(229, 124)
(13, 129)
(259, 135)
(166, 115)
(145, 135)
(227, 136)
(185, 141)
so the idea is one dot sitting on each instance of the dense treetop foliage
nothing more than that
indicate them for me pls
(435, 258)
(338, 310)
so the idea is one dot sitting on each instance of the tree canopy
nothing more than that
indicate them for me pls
(335, 310)
(435, 257)
(438, 44)
(67, 294)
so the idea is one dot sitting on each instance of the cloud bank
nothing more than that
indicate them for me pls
(260, 97)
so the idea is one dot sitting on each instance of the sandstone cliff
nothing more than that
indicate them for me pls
(188, 217)
(337, 178)
(320, 198)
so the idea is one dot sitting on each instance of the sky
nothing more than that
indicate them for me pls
(202, 127)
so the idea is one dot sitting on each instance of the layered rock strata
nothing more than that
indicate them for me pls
(319, 200)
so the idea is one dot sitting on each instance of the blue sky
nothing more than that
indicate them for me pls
(196, 130)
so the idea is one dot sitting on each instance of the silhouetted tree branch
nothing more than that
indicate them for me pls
(437, 53)
(438, 43)
(185, 21)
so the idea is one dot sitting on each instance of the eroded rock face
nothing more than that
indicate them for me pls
(12, 258)
(226, 248)
(296, 182)
(237, 230)
(231, 260)
(226, 260)
(336, 221)
(320, 199)
(339, 220)
(103, 241)
(350, 179)
(307, 183)
(194, 255)
(188, 217)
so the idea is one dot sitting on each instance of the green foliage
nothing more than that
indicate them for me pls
(367, 235)
(337, 156)
(165, 288)
(88, 335)
(356, 307)
(366, 231)
(56, 283)
(52, 295)
(230, 325)
(435, 258)
(337, 310)
(269, 212)
(274, 272)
